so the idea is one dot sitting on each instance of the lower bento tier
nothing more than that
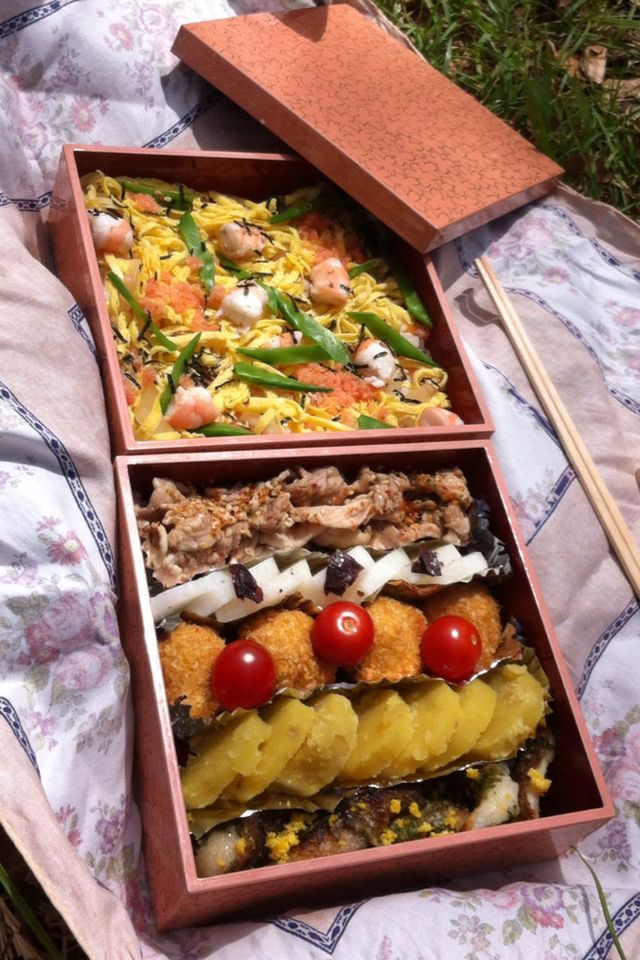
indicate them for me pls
(338, 670)
(234, 317)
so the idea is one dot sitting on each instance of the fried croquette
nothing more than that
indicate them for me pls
(286, 634)
(396, 645)
(473, 602)
(187, 657)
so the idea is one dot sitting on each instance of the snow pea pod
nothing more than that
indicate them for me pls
(285, 356)
(171, 198)
(290, 213)
(362, 268)
(377, 326)
(196, 247)
(178, 369)
(222, 430)
(232, 267)
(263, 378)
(410, 295)
(124, 292)
(309, 327)
(370, 423)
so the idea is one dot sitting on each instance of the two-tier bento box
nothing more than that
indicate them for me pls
(363, 754)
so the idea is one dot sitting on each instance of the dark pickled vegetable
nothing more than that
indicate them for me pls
(245, 584)
(428, 562)
(342, 571)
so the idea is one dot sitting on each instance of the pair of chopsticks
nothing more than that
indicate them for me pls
(605, 508)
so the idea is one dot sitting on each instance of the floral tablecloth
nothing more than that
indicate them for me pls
(100, 72)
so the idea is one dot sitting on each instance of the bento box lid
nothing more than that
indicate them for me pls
(398, 136)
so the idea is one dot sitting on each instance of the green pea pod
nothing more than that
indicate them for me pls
(124, 292)
(362, 268)
(263, 378)
(190, 233)
(410, 295)
(172, 198)
(232, 267)
(377, 326)
(272, 297)
(178, 369)
(222, 430)
(290, 213)
(284, 356)
(309, 327)
(370, 423)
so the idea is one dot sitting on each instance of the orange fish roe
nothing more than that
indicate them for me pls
(346, 387)
(200, 323)
(319, 229)
(147, 204)
(216, 296)
(178, 294)
(194, 263)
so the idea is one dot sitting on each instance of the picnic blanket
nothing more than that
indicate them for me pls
(101, 72)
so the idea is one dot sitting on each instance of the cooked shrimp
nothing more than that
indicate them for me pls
(330, 283)
(244, 305)
(110, 234)
(240, 240)
(378, 361)
(191, 408)
(438, 417)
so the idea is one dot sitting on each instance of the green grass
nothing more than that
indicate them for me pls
(517, 59)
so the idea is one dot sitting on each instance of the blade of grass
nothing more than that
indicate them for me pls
(605, 907)
(28, 916)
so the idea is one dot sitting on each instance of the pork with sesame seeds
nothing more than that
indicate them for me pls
(186, 533)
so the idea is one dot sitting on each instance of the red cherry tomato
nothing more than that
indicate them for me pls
(451, 648)
(243, 675)
(342, 634)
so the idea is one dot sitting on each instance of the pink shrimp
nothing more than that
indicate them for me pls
(240, 240)
(110, 234)
(438, 417)
(329, 283)
(191, 408)
(377, 361)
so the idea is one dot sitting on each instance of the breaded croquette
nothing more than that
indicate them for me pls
(187, 657)
(473, 602)
(396, 645)
(286, 634)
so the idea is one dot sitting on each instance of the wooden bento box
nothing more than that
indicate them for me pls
(576, 804)
(251, 176)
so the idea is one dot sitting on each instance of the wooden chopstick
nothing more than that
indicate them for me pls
(612, 521)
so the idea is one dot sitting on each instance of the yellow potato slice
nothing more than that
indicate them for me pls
(435, 712)
(290, 722)
(384, 728)
(519, 709)
(477, 703)
(330, 742)
(222, 754)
